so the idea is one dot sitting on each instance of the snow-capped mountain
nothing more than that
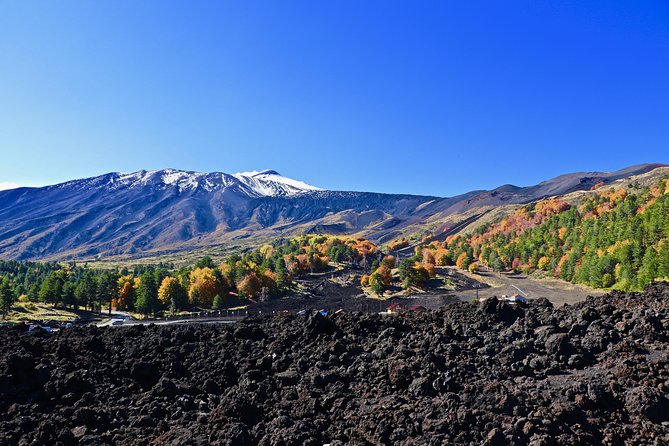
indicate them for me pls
(173, 210)
(266, 183)
(270, 183)
(147, 213)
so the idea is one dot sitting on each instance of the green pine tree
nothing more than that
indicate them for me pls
(375, 283)
(7, 297)
(218, 303)
(147, 294)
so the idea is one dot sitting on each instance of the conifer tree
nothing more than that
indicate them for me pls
(147, 294)
(7, 296)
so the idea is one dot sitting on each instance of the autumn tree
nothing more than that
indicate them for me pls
(413, 274)
(419, 275)
(172, 294)
(206, 283)
(127, 293)
(268, 282)
(428, 257)
(385, 275)
(463, 261)
(249, 286)
(442, 257)
(543, 263)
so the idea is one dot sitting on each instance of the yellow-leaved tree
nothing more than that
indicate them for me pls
(172, 294)
(204, 286)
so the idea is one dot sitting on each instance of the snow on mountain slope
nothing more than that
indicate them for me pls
(146, 213)
(267, 183)
(271, 184)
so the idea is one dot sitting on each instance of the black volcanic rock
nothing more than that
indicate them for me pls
(453, 376)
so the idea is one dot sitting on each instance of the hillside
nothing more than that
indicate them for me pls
(292, 274)
(172, 213)
(615, 236)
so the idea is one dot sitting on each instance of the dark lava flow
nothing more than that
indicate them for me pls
(592, 373)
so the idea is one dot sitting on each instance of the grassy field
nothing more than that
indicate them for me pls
(31, 311)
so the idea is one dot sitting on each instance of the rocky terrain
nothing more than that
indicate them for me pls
(592, 373)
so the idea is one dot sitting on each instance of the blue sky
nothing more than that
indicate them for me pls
(419, 97)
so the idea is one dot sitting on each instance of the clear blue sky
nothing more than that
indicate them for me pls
(419, 97)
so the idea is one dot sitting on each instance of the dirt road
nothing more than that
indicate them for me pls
(557, 291)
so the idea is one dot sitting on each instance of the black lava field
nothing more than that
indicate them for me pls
(493, 374)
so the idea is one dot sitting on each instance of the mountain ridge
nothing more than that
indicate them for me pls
(145, 213)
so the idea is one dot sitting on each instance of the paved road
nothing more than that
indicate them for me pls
(115, 316)
(180, 321)
(201, 319)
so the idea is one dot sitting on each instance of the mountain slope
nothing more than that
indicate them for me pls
(616, 236)
(147, 213)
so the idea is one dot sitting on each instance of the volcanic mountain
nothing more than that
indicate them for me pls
(164, 212)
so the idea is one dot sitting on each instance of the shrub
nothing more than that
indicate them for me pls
(376, 282)
(218, 303)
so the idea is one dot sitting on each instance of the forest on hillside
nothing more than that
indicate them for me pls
(616, 238)
(260, 274)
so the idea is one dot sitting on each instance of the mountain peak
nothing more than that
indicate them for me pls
(256, 173)
(271, 183)
(269, 172)
(265, 183)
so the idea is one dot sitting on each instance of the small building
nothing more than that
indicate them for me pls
(417, 308)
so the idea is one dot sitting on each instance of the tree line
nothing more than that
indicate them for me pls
(260, 274)
(617, 238)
